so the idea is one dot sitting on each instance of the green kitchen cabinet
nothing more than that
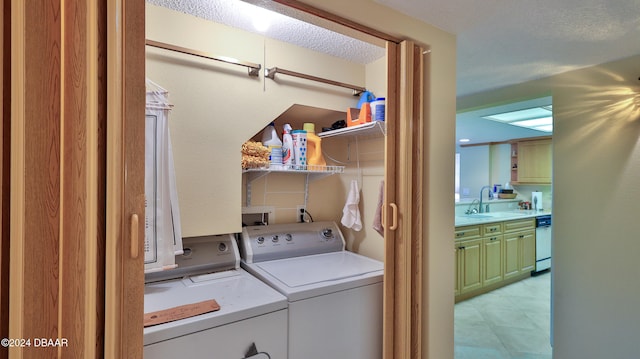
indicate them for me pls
(492, 248)
(519, 247)
(469, 265)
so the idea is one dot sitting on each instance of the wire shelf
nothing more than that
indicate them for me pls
(308, 169)
(369, 129)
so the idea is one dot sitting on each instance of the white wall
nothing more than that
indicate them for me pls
(524, 193)
(500, 163)
(483, 166)
(596, 177)
(596, 230)
(475, 166)
(366, 167)
(218, 107)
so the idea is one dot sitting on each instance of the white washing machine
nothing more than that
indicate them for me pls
(335, 296)
(251, 321)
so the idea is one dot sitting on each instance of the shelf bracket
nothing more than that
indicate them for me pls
(310, 176)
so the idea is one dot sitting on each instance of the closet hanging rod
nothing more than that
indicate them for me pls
(254, 69)
(271, 73)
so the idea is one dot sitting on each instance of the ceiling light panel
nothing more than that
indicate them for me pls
(547, 128)
(538, 118)
(520, 115)
(540, 124)
(545, 121)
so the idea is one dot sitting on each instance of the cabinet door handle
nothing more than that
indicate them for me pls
(462, 247)
(394, 207)
(134, 236)
(493, 238)
(521, 236)
(460, 234)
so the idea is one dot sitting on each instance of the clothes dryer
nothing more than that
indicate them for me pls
(334, 296)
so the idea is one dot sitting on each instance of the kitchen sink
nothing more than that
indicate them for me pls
(487, 217)
(476, 215)
(507, 214)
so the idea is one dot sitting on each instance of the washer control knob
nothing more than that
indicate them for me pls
(222, 247)
(327, 233)
(288, 237)
(275, 239)
(260, 240)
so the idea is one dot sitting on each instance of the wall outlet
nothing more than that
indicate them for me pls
(300, 211)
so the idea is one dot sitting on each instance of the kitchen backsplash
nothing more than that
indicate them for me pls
(524, 194)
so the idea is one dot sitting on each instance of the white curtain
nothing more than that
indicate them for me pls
(163, 240)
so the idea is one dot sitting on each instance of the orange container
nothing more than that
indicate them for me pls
(314, 148)
(358, 117)
(352, 117)
(365, 113)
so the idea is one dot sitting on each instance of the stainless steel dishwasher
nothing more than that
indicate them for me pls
(543, 242)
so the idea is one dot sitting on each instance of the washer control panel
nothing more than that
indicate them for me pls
(277, 241)
(205, 254)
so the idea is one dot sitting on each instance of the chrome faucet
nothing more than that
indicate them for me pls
(472, 210)
(488, 193)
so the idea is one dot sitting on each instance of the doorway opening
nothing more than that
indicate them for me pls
(503, 303)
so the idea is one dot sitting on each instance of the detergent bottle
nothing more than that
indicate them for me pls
(270, 139)
(314, 148)
(287, 147)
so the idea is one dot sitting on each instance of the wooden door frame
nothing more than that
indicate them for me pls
(124, 303)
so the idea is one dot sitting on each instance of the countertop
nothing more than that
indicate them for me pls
(468, 201)
(483, 218)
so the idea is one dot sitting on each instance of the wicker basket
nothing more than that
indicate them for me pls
(507, 195)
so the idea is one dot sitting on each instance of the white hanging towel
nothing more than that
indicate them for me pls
(351, 212)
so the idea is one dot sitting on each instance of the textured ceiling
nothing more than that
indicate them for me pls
(499, 42)
(502, 42)
(471, 125)
(240, 14)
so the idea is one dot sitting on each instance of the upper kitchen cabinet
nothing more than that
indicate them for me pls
(218, 106)
(531, 161)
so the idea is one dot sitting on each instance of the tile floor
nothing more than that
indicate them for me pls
(512, 322)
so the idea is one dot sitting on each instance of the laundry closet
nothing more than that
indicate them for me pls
(218, 103)
(219, 106)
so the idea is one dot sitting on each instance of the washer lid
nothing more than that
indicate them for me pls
(307, 270)
(241, 296)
